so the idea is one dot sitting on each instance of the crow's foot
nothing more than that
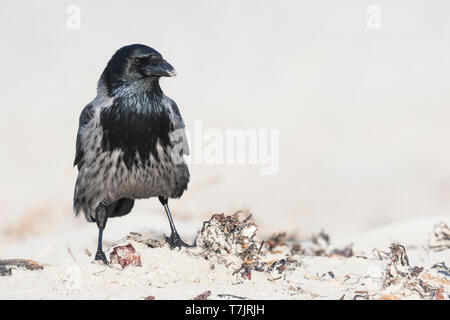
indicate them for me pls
(100, 256)
(175, 241)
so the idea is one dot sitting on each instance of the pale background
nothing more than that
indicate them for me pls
(363, 114)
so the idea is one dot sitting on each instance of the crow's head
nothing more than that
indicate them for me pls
(132, 64)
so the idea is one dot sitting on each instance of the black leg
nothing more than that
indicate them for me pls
(100, 255)
(100, 218)
(174, 239)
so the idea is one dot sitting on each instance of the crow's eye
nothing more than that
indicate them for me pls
(136, 61)
(153, 60)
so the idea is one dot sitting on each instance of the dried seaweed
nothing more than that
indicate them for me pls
(228, 234)
(381, 254)
(361, 295)
(346, 252)
(321, 242)
(440, 239)
(22, 263)
(276, 240)
(442, 268)
(398, 272)
(149, 242)
(231, 296)
(321, 247)
(230, 240)
(87, 252)
(203, 296)
(5, 271)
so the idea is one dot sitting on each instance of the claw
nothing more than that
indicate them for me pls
(175, 241)
(100, 256)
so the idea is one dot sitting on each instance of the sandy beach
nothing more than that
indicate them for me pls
(231, 261)
(345, 170)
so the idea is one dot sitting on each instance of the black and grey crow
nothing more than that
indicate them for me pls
(130, 142)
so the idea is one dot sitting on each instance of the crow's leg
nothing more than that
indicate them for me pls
(174, 239)
(100, 218)
(100, 255)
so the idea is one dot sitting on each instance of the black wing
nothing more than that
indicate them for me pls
(177, 115)
(86, 115)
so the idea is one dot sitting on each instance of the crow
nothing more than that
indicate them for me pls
(130, 143)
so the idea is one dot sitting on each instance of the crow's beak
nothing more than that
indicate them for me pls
(164, 69)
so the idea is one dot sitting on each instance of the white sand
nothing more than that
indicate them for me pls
(184, 274)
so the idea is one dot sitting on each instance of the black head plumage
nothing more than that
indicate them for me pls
(139, 117)
(134, 63)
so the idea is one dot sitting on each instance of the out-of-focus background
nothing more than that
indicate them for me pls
(360, 97)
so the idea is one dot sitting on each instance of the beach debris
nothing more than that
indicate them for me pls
(398, 269)
(361, 295)
(346, 252)
(227, 234)
(321, 246)
(295, 290)
(399, 275)
(150, 298)
(231, 296)
(296, 248)
(230, 240)
(247, 274)
(226, 239)
(322, 239)
(125, 256)
(261, 246)
(441, 268)
(21, 263)
(5, 271)
(146, 240)
(277, 268)
(380, 254)
(87, 252)
(202, 296)
(440, 238)
(329, 274)
(71, 254)
(439, 293)
(388, 297)
(277, 239)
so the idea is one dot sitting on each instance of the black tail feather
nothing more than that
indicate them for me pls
(120, 207)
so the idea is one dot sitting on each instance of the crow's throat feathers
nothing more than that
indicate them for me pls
(136, 123)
